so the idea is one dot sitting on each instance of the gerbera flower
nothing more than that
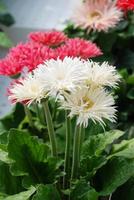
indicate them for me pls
(51, 39)
(94, 104)
(25, 55)
(10, 67)
(79, 48)
(98, 15)
(58, 76)
(31, 54)
(26, 90)
(126, 4)
(99, 75)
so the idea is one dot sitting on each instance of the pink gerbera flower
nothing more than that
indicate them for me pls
(30, 54)
(126, 4)
(27, 55)
(10, 67)
(78, 48)
(52, 39)
(98, 15)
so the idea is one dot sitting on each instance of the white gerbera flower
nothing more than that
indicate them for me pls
(101, 74)
(94, 104)
(58, 76)
(27, 90)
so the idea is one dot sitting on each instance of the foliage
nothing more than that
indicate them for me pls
(6, 19)
(26, 161)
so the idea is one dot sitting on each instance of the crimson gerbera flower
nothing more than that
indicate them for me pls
(51, 39)
(126, 4)
(79, 48)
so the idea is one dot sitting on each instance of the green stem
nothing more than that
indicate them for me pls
(67, 152)
(29, 116)
(50, 127)
(76, 152)
(82, 136)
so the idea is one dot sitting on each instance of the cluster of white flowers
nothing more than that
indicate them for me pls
(79, 86)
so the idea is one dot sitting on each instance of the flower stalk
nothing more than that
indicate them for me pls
(67, 152)
(50, 127)
(76, 152)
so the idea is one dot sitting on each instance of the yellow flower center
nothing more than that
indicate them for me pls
(34, 88)
(94, 15)
(88, 103)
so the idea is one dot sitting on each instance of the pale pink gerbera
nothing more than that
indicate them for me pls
(98, 15)
(78, 48)
(53, 38)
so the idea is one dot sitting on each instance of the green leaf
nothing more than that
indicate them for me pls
(2, 196)
(83, 191)
(9, 184)
(109, 38)
(115, 173)
(130, 94)
(124, 73)
(31, 159)
(22, 195)
(4, 156)
(47, 191)
(122, 25)
(3, 137)
(26, 151)
(130, 79)
(90, 165)
(5, 18)
(92, 156)
(126, 191)
(124, 149)
(5, 41)
(95, 145)
(13, 119)
(127, 58)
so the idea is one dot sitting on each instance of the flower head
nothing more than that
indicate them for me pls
(98, 15)
(25, 55)
(53, 38)
(26, 90)
(79, 48)
(58, 76)
(126, 4)
(94, 104)
(100, 75)
(10, 67)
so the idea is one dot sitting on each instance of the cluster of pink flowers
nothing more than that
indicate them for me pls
(126, 4)
(43, 46)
